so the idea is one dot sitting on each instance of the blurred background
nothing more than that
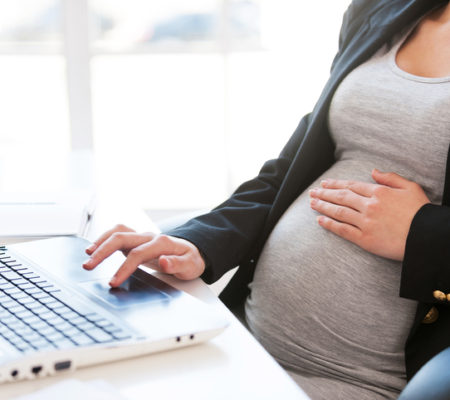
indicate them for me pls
(178, 101)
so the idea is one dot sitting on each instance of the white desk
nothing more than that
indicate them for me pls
(231, 366)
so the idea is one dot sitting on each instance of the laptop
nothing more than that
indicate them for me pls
(55, 316)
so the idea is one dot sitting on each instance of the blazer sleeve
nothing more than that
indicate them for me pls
(226, 235)
(426, 265)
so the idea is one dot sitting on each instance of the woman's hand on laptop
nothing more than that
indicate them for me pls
(162, 253)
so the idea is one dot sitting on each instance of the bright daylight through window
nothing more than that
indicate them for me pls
(179, 100)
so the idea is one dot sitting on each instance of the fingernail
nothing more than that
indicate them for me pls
(88, 263)
(319, 219)
(313, 192)
(113, 281)
(91, 247)
(312, 202)
(324, 182)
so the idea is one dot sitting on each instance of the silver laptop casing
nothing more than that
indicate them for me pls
(157, 316)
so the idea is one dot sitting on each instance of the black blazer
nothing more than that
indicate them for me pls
(234, 232)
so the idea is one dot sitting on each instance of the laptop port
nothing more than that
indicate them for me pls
(178, 339)
(14, 373)
(62, 365)
(192, 337)
(36, 369)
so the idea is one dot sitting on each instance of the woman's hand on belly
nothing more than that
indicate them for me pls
(376, 217)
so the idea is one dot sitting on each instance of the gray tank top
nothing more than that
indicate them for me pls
(327, 310)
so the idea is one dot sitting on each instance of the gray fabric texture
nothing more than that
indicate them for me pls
(327, 310)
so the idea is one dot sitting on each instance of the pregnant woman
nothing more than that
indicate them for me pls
(342, 241)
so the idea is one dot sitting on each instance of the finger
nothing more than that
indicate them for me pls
(146, 252)
(106, 235)
(117, 241)
(343, 197)
(345, 231)
(339, 213)
(390, 179)
(362, 188)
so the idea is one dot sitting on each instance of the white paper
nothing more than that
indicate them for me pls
(43, 215)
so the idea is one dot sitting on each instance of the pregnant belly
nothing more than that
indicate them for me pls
(317, 299)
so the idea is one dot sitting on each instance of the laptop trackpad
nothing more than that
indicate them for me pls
(132, 292)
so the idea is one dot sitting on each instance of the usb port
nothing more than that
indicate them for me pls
(59, 366)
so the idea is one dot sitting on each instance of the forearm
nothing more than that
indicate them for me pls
(226, 234)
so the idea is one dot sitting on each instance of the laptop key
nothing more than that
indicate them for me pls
(24, 348)
(71, 315)
(60, 309)
(39, 295)
(54, 336)
(20, 281)
(16, 309)
(55, 320)
(25, 300)
(83, 310)
(44, 284)
(8, 287)
(95, 317)
(51, 289)
(18, 267)
(63, 343)
(103, 323)
(47, 299)
(24, 313)
(18, 295)
(31, 336)
(71, 332)
(48, 315)
(10, 275)
(86, 326)
(8, 318)
(99, 335)
(82, 339)
(61, 326)
(37, 279)
(40, 309)
(42, 345)
(77, 320)
(34, 306)
(24, 331)
(121, 335)
(32, 290)
(8, 334)
(39, 325)
(55, 306)
(26, 285)
(25, 272)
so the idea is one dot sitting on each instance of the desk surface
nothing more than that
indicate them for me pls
(231, 366)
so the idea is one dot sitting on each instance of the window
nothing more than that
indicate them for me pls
(181, 101)
(34, 121)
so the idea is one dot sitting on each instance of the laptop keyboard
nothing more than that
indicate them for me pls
(36, 315)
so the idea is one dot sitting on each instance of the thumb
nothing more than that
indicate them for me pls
(182, 267)
(390, 179)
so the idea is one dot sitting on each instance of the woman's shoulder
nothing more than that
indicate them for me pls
(360, 11)
(370, 14)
